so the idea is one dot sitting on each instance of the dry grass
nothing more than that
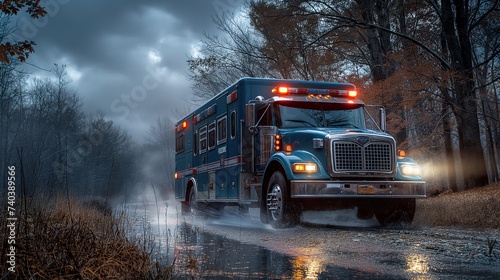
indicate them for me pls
(477, 208)
(72, 241)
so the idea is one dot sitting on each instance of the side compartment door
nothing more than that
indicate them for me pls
(233, 145)
(220, 149)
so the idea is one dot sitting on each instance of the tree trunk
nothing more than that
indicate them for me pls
(448, 147)
(380, 47)
(456, 34)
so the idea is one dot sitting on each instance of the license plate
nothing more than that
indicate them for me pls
(366, 189)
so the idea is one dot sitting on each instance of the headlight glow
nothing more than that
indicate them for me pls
(410, 170)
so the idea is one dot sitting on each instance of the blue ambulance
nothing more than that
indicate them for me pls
(287, 146)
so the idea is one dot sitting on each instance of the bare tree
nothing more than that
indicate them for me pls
(225, 59)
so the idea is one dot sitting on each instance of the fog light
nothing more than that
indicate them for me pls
(305, 167)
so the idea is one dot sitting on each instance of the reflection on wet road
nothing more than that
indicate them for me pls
(210, 256)
(240, 247)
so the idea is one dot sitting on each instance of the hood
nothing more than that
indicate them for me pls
(321, 132)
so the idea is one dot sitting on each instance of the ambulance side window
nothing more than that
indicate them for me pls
(221, 130)
(179, 143)
(203, 139)
(211, 136)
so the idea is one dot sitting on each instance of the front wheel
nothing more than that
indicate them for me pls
(396, 212)
(280, 210)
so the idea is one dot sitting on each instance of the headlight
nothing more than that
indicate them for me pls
(309, 167)
(410, 170)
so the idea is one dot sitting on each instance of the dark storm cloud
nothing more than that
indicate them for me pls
(126, 58)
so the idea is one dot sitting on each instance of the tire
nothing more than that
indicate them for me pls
(396, 212)
(280, 210)
(204, 210)
(195, 208)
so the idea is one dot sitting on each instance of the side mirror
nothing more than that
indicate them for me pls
(250, 116)
(383, 125)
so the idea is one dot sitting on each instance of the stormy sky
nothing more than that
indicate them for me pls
(126, 58)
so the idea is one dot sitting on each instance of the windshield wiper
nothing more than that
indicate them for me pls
(301, 121)
(341, 124)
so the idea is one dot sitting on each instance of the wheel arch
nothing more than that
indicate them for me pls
(270, 169)
(191, 184)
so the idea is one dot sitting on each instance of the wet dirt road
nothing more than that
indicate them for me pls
(326, 245)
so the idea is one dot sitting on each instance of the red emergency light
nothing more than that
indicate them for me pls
(280, 90)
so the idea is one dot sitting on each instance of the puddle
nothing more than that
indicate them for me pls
(204, 255)
(196, 253)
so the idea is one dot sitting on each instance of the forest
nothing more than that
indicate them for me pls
(58, 149)
(433, 64)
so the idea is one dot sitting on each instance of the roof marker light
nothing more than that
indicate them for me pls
(277, 142)
(280, 90)
(232, 97)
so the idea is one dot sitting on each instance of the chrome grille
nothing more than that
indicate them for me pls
(352, 157)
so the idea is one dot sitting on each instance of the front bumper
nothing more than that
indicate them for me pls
(356, 189)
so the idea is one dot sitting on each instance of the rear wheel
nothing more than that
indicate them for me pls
(280, 210)
(195, 207)
(396, 212)
(204, 209)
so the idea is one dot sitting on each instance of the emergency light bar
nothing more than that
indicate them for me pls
(316, 92)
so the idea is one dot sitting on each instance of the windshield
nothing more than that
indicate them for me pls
(293, 115)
